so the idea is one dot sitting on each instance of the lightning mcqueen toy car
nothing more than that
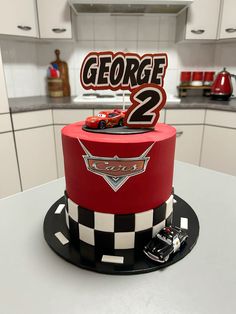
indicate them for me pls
(106, 119)
(164, 243)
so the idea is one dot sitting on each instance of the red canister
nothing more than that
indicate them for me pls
(185, 78)
(208, 77)
(197, 78)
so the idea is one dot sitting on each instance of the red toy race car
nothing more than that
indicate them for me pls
(106, 119)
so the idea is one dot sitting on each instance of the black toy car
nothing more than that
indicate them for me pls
(164, 243)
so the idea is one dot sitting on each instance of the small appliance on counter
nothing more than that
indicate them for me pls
(222, 88)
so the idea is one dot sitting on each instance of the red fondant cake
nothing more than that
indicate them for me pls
(118, 187)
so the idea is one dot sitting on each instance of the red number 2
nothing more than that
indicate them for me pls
(147, 101)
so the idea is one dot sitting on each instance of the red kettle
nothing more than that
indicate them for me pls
(222, 88)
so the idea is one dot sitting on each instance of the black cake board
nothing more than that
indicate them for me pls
(135, 261)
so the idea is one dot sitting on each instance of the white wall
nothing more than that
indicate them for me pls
(25, 63)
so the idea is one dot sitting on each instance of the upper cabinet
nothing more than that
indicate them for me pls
(18, 18)
(54, 19)
(199, 21)
(228, 21)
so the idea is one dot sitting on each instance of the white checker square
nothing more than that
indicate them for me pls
(124, 240)
(73, 210)
(169, 206)
(86, 234)
(144, 220)
(104, 222)
(157, 228)
(67, 219)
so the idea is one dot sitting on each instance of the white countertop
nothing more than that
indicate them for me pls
(34, 280)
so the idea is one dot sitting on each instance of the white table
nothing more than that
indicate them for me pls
(34, 280)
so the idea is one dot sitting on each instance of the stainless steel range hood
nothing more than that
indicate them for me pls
(137, 7)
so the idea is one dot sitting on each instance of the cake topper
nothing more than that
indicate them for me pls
(142, 75)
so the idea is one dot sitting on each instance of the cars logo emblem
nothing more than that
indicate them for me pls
(116, 171)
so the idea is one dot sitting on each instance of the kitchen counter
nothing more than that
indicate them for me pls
(25, 104)
(35, 280)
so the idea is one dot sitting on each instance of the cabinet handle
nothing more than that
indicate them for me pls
(179, 133)
(24, 28)
(230, 30)
(59, 30)
(197, 31)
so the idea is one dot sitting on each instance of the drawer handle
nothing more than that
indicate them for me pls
(198, 31)
(230, 30)
(59, 30)
(179, 133)
(24, 28)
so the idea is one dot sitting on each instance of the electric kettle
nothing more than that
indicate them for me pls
(222, 88)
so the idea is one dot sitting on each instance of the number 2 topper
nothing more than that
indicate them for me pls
(142, 75)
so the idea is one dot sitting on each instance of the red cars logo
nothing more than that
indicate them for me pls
(116, 171)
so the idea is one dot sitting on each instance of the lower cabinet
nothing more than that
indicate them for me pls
(59, 151)
(36, 155)
(9, 174)
(188, 143)
(219, 149)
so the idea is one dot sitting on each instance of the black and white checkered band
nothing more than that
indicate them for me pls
(116, 231)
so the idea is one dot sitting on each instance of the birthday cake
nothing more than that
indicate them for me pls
(118, 187)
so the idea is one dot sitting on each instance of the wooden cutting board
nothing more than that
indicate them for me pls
(64, 73)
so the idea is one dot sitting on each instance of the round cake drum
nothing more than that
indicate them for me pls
(117, 262)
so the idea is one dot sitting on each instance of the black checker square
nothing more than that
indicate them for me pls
(104, 240)
(86, 217)
(159, 214)
(74, 230)
(124, 223)
(169, 220)
(142, 238)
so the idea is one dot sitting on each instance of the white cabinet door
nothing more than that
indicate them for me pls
(9, 174)
(202, 19)
(59, 152)
(219, 149)
(36, 154)
(18, 17)
(3, 93)
(228, 21)
(54, 19)
(188, 143)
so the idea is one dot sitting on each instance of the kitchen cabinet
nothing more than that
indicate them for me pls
(9, 174)
(218, 150)
(228, 23)
(36, 154)
(4, 107)
(199, 21)
(189, 132)
(18, 18)
(59, 151)
(54, 19)
(35, 146)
